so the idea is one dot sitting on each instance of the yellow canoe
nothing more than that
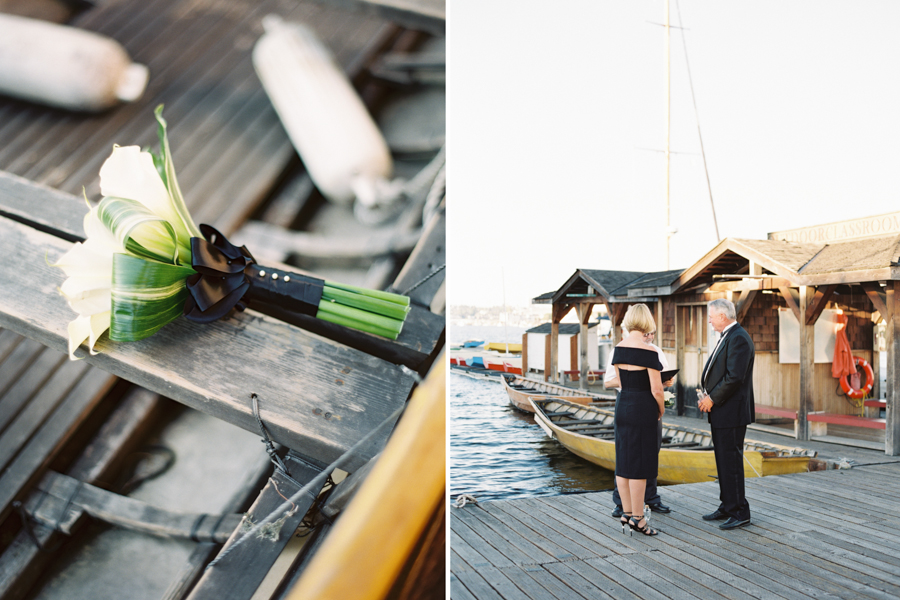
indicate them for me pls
(504, 347)
(686, 455)
(522, 390)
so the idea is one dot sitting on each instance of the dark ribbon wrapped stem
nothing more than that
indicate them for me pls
(227, 277)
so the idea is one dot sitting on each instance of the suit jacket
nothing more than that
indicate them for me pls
(729, 380)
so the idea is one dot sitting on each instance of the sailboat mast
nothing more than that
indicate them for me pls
(668, 131)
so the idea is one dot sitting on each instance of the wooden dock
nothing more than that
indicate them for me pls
(833, 534)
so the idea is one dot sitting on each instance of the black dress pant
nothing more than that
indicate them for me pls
(729, 450)
(651, 496)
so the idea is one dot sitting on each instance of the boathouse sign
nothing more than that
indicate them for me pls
(865, 227)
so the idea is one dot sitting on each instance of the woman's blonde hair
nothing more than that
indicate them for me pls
(639, 318)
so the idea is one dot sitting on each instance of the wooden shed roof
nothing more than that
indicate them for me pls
(564, 328)
(795, 263)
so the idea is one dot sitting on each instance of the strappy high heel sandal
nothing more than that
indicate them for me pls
(626, 518)
(646, 529)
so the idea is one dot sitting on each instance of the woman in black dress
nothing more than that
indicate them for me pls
(639, 407)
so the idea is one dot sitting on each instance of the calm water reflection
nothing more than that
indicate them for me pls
(499, 453)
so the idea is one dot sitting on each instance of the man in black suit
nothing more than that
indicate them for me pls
(728, 381)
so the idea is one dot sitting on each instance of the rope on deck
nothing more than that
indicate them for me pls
(318, 480)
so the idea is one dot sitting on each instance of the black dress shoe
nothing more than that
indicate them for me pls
(733, 523)
(716, 516)
(660, 508)
(617, 512)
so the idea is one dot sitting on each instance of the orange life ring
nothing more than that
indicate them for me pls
(870, 380)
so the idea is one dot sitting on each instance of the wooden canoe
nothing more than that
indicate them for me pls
(686, 455)
(521, 391)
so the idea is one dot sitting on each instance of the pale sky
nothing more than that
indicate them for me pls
(557, 111)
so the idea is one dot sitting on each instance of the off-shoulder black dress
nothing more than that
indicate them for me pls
(637, 450)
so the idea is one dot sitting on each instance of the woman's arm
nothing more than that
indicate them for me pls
(656, 388)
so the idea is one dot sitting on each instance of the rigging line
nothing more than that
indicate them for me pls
(318, 480)
(697, 116)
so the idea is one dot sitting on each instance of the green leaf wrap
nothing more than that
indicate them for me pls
(146, 295)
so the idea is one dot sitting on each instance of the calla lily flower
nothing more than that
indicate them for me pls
(142, 215)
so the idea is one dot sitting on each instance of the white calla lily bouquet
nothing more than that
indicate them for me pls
(145, 263)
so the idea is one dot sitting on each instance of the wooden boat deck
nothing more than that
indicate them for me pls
(228, 145)
(840, 540)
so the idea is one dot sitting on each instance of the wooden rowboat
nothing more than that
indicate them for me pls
(522, 390)
(686, 455)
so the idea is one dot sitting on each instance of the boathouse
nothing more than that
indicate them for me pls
(789, 291)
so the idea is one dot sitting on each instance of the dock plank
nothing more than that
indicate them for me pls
(596, 587)
(821, 547)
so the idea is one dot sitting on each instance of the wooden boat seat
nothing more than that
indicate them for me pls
(776, 411)
(586, 427)
(822, 419)
(680, 444)
(574, 421)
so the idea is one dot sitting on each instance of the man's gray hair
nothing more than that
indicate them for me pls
(721, 305)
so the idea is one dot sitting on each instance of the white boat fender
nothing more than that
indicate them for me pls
(65, 67)
(342, 148)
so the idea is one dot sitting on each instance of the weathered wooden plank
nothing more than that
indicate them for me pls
(582, 515)
(640, 586)
(794, 567)
(599, 586)
(473, 585)
(16, 364)
(33, 376)
(22, 562)
(314, 394)
(721, 581)
(467, 555)
(598, 544)
(63, 492)
(544, 585)
(458, 590)
(471, 534)
(498, 580)
(584, 547)
(663, 580)
(46, 398)
(521, 535)
(725, 554)
(51, 436)
(239, 569)
(17, 201)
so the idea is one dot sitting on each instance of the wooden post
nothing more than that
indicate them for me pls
(584, 315)
(892, 429)
(659, 323)
(681, 383)
(547, 346)
(807, 364)
(554, 350)
(524, 355)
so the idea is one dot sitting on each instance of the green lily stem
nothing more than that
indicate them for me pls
(366, 303)
(386, 296)
(359, 319)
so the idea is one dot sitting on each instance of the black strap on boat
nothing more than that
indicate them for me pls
(270, 445)
(26, 527)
